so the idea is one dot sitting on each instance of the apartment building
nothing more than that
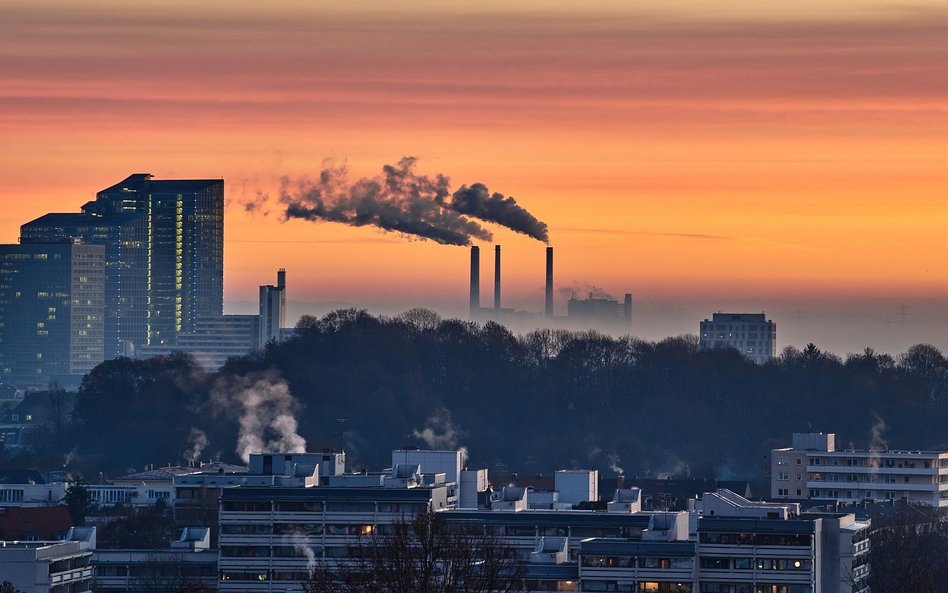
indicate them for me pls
(813, 468)
(272, 536)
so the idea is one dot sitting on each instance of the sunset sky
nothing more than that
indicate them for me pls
(782, 156)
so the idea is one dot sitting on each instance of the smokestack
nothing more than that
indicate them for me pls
(475, 280)
(281, 278)
(627, 310)
(497, 277)
(549, 282)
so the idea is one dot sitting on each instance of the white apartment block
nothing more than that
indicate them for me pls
(812, 468)
(750, 333)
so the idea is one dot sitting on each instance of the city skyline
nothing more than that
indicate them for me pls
(789, 166)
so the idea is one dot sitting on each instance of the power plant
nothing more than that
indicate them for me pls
(598, 312)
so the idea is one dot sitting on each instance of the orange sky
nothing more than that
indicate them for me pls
(700, 157)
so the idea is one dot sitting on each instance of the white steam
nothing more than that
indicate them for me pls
(265, 410)
(439, 432)
(197, 442)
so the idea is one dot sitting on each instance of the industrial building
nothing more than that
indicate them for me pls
(51, 312)
(600, 312)
(813, 469)
(752, 334)
(592, 313)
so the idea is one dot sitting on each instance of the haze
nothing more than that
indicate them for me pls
(705, 156)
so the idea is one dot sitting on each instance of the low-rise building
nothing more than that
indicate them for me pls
(50, 566)
(812, 468)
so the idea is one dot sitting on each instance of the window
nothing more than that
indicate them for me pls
(783, 476)
(783, 460)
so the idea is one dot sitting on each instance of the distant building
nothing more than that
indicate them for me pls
(752, 334)
(164, 252)
(51, 312)
(273, 310)
(600, 312)
(215, 339)
(812, 468)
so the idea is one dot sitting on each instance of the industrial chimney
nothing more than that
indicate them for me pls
(549, 282)
(475, 280)
(497, 277)
(627, 310)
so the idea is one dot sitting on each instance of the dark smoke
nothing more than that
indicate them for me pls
(478, 202)
(402, 201)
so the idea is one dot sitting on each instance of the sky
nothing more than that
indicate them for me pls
(783, 156)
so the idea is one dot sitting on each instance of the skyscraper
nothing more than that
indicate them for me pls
(125, 238)
(164, 251)
(52, 298)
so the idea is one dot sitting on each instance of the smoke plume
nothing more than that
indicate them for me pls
(399, 200)
(613, 459)
(265, 410)
(478, 202)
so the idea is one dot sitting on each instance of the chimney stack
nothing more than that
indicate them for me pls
(627, 310)
(281, 278)
(497, 277)
(548, 311)
(475, 280)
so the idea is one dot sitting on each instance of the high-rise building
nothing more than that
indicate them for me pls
(51, 312)
(273, 310)
(125, 238)
(751, 333)
(164, 251)
(185, 247)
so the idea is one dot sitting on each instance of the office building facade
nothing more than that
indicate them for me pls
(51, 312)
(164, 253)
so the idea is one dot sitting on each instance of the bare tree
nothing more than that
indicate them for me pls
(909, 551)
(424, 554)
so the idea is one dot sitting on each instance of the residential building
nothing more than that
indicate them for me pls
(50, 566)
(189, 562)
(271, 536)
(752, 334)
(51, 312)
(812, 468)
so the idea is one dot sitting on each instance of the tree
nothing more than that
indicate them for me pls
(424, 554)
(909, 550)
(78, 501)
(7, 587)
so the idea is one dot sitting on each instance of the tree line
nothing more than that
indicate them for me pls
(529, 403)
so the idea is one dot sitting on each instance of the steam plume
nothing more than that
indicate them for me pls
(301, 545)
(197, 442)
(399, 200)
(439, 432)
(265, 410)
